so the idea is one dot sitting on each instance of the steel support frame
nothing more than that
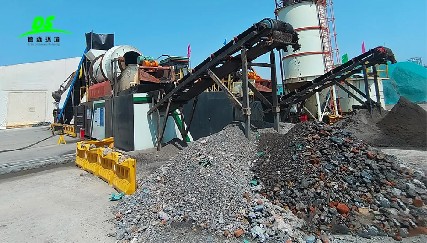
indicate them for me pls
(245, 88)
(275, 107)
(230, 95)
(252, 64)
(377, 89)
(187, 129)
(367, 92)
(244, 106)
(357, 91)
(369, 57)
(161, 126)
(182, 85)
(341, 73)
(259, 95)
(349, 92)
(161, 132)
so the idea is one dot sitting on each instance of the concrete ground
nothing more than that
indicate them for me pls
(416, 159)
(63, 204)
(40, 154)
(57, 202)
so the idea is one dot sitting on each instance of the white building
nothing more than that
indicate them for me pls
(25, 90)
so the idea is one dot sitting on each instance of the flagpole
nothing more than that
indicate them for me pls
(189, 56)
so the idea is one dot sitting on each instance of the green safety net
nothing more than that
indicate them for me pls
(407, 79)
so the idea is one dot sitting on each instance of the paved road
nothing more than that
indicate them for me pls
(57, 205)
(51, 203)
(43, 153)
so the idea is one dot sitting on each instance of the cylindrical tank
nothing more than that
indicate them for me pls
(307, 63)
(102, 67)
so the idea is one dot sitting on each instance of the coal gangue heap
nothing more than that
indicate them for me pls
(339, 184)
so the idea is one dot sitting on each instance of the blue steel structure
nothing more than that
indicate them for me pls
(71, 89)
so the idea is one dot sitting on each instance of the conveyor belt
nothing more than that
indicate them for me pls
(259, 39)
(378, 55)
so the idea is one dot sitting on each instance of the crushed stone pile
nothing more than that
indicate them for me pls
(339, 184)
(207, 187)
(405, 126)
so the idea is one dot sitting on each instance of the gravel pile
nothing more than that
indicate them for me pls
(207, 188)
(339, 184)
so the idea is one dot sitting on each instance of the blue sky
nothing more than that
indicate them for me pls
(166, 27)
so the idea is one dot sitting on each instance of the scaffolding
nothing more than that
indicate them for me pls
(328, 34)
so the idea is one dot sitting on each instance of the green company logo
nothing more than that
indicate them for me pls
(42, 25)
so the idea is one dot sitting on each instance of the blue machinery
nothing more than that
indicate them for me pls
(71, 90)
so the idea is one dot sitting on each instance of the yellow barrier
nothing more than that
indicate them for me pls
(69, 130)
(113, 167)
(107, 142)
(81, 157)
(106, 169)
(93, 160)
(125, 179)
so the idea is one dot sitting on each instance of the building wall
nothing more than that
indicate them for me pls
(25, 90)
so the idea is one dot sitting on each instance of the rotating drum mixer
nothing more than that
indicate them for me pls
(109, 65)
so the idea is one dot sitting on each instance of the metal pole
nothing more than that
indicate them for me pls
(246, 109)
(275, 107)
(158, 118)
(192, 116)
(377, 89)
(282, 73)
(368, 96)
(162, 131)
(334, 94)
(225, 89)
(259, 95)
(319, 108)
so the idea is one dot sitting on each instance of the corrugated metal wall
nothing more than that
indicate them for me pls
(213, 112)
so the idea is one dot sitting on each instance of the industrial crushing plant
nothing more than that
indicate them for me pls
(143, 102)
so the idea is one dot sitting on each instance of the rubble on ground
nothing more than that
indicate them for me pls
(339, 184)
(303, 186)
(208, 187)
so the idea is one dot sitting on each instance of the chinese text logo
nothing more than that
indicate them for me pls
(40, 26)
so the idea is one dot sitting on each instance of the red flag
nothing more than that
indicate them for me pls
(363, 47)
(189, 51)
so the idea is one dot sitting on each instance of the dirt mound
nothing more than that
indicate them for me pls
(405, 126)
(406, 123)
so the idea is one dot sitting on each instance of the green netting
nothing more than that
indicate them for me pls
(406, 79)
